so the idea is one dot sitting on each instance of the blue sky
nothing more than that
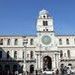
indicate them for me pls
(19, 16)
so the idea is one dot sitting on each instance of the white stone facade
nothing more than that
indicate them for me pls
(43, 51)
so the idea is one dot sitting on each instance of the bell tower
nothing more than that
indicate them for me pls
(44, 22)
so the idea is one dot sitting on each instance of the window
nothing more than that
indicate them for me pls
(16, 42)
(45, 23)
(43, 29)
(69, 64)
(62, 66)
(64, 54)
(8, 55)
(0, 54)
(31, 41)
(61, 53)
(1, 41)
(44, 16)
(25, 41)
(27, 55)
(8, 42)
(31, 54)
(68, 53)
(60, 41)
(46, 29)
(67, 41)
(15, 54)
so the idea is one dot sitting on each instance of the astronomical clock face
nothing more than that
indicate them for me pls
(46, 40)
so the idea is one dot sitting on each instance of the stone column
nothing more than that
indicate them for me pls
(37, 63)
(53, 62)
(57, 61)
(24, 69)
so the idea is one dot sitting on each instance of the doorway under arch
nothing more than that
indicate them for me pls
(47, 63)
(31, 68)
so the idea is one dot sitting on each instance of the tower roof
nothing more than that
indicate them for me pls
(43, 12)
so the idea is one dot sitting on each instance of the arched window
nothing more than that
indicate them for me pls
(44, 16)
(8, 42)
(31, 41)
(1, 41)
(31, 68)
(43, 29)
(61, 66)
(68, 53)
(15, 54)
(65, 54)
(31, 54)
(8, 55)
(46, 29)
(61, 53)
(45, 23)
(16, 42)
(67, 41)
(27, 55)
(25, 41)
(60, 41)
(69, 64)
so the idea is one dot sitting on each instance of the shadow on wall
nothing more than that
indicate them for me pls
(9, 65)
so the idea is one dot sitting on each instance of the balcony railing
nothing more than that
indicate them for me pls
(11, 60)
(67, 59)
(30, 60)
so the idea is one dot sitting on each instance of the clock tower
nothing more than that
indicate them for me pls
(45, 30)
(46, 40)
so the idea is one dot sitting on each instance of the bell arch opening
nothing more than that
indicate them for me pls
(47, 63)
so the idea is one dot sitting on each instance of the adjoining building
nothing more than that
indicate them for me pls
(44, 51)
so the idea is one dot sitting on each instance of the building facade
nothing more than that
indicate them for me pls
(44, 51)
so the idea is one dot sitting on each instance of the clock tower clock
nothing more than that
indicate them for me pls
(46, 39)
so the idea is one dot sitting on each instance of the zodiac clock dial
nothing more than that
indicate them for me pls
(46, 40)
